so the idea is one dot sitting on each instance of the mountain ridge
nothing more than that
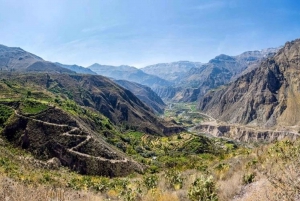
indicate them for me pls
(17, 59)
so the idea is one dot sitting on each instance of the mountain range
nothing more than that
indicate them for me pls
(186, 81)
(196, 81)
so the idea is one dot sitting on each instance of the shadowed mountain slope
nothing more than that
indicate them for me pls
(145, 94)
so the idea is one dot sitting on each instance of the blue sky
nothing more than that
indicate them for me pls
(144, 32)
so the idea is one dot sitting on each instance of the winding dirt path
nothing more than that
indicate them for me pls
(72, 150)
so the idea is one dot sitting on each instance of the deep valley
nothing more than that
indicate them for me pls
(221, 130)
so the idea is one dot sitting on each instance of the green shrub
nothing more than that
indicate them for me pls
(153, 169)
(5, 113)
(248, 178)
(203, 189)
(33, 107)
(150, 181)
(174, 179)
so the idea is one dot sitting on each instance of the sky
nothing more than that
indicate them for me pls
(145, 32)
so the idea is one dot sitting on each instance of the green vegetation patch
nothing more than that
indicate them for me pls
(5, 113)
(198, 145)
(32, 107)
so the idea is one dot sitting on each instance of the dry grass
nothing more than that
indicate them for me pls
(159, 195)
(230, 187)
(16, 191)
(261, 190)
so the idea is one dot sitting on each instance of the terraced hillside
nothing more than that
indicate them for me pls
(75, 118)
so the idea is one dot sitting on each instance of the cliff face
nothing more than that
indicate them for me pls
(267, 96)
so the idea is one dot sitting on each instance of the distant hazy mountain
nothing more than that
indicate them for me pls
(77, 69)
(145, 94)
(266, 96)
(129, 73)
(171, 71)
(218, 71)
(16, 59)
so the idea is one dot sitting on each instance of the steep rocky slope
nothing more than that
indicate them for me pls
(267, 96)
(145, 94)
(129, 73)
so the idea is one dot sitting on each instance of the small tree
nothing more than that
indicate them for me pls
(28, 94)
